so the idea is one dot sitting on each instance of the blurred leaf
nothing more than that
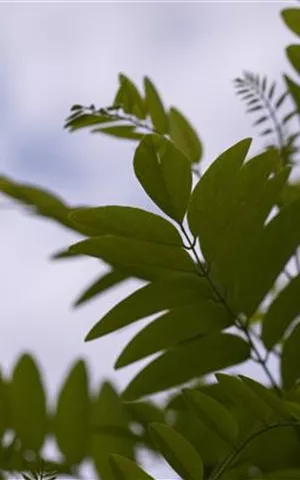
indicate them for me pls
(281, 313)
(105, 282)
(290, 360)
(291, 17)
(212, 414)
(71, 423)
(294, 90)
(293, 54)
(137, 256)
(127, 222)
(129, 98)
(184, 136)
(155, 107)
(193, 359)
(178, 452)
(28, 404)
(43, 202)
(86, 120)
(165, 174)
(153, 298)
(124, 469)
(109, 416)
(121, 131)
(175, 326)
(281, 100)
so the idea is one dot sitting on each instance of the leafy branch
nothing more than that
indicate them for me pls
(220, 469)
(260, 98)
(238, 321)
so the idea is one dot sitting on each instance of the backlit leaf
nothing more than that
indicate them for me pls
(129, 98)
(184, 136)
(165, 174)
(155, 107)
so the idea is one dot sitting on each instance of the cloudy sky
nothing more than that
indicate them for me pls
(56, 54)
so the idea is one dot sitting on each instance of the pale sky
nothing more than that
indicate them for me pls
(56, 54)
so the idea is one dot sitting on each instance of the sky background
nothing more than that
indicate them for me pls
(56, 54)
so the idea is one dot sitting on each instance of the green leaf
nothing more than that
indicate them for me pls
(144, 412)
(152, 298)
(121, 131)
(42, 201)
(165, 174)
(213, 188)
(28, 404)
(129, 97)
(271, 399)
(86, 120)
(105, 282)
(212, 414)
(178, 452)
(155, 107)
(290, 359)
(293, 54)
(110, 431)
(177, 325)
(127, 222)
(243, 395)
(137, 256)
(193, 359)
(294, 90)
(227, 224)
(267, 258)
(281, 313)
(124, 469)
(184, 136)
(291, 17)
(71, 422)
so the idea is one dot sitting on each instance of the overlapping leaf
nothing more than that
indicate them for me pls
(178, 452)
(127, 222)
(193, 359)
(282, 311)
(184, 136)
(153, 298)
(155, 107)
(175, 326)
(136, 257)
(212, 414)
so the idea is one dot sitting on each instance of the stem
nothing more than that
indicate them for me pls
(219, 470)
(238, 322)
